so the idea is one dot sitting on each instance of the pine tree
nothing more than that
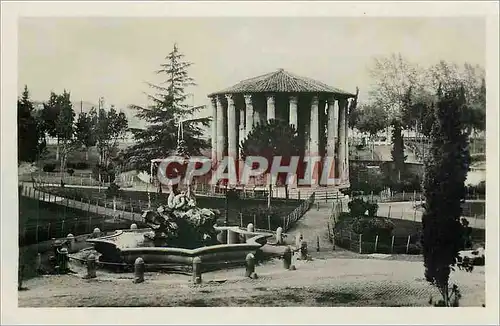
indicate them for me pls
(30, 140)
(445, 174)
(168, 108)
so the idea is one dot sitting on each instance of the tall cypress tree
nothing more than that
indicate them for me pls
(159, 139)
(445, 174)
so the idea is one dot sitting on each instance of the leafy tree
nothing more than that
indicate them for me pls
(445, 174)
(65, 128)
(168, 108)
(84, 133)
(49, 115)
(472, 79)
(371, 120)
(109, 127)
(270, 139)
(30, 140)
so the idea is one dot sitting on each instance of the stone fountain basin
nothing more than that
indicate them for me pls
(124, 246)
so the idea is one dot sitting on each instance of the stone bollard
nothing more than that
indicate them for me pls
(197, 270)
(133, 226)
(279, 235)
(250, 265)
(139, 268)
(303, 250)
(287, 258)
(70, 238)
(298, 239)
(91, 266)
(96, 232)
(63, 261)
(39, 263)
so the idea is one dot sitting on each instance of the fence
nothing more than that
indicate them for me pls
(387, 244)
(96, 206)
(32, 234)
(80, 179)
(297, 213)
(56, 216)
(415, 196)
(369, 244)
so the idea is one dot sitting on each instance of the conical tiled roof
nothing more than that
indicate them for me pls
(281, 81)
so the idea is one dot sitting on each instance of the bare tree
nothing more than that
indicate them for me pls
(395, 77)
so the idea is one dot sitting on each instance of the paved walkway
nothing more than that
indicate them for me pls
(405, 210)
(314, 225)
(31, 192)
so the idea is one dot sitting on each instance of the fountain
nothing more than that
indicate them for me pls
(179, 232)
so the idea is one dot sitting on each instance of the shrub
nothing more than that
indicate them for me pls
(49, 167)
(366, 180)
(81, 165)
(408, 183)
(233, 194)
(372, 209)
(113, 190)
(70, 165)
(107, 173)
(70, 171)
(358, 207)
(372, 226)
(479, 189)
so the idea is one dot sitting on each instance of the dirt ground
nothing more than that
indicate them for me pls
(331, 278)
(320, 282)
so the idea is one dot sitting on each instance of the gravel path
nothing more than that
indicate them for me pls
(320, 282)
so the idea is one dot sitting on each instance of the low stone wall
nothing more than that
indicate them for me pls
(239, 244)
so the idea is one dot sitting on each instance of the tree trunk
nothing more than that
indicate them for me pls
(57, 150)
(86, 154)
(269, 195)
(398, 155)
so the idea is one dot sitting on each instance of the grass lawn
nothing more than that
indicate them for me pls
(137, 201)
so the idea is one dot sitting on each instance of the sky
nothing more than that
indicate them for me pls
(115, 57)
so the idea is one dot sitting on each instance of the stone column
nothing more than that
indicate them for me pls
(231, 131)
(342, 139)
(346, 157)
(271, 110)
(249, 120)
(332, 129)
(314, 127)
(214, 130)
(242, 133)
(293, 119)
(220, 129)
(314, 136)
